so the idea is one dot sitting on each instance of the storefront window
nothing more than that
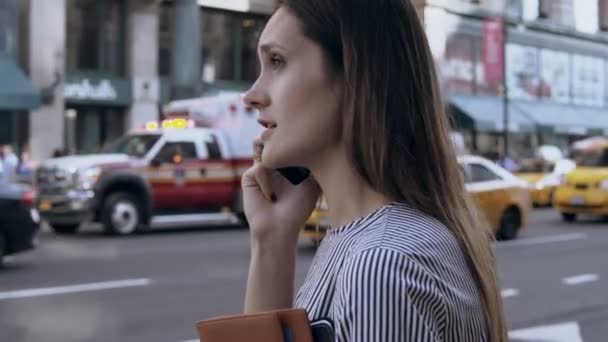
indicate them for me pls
(96, 127)
(95, 35)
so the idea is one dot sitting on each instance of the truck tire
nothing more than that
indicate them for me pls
(65, 229)
(121, 214)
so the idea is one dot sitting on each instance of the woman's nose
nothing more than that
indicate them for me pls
(256, 98)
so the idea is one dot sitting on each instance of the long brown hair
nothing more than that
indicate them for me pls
(396, 124)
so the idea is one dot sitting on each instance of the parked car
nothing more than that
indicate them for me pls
(19, 220)
(503, 198)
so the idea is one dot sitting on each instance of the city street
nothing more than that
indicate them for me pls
(155, 286)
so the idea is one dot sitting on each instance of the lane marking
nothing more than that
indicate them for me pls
(542, 240)
(49, 291)
(562, 332)
(507, 293)
(580, 279)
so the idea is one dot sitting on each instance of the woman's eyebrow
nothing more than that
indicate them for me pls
(266, 47)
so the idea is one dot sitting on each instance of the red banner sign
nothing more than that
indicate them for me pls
(493, 45)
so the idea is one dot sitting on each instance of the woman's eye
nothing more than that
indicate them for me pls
(276, 61)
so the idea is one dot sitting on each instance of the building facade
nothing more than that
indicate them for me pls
(555, 68)
(17, 93)
(100, 68)
(104, 67)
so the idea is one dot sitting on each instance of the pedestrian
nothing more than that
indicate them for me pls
(509, 163)
(9, 162)
(348, 90)
(26, 166)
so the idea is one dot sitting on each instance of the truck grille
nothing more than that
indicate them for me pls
(53, 181)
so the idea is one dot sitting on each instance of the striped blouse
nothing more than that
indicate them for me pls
(394, 275)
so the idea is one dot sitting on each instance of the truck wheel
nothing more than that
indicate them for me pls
(65, 229)
(509, 225)
(568, 217)
(121, 214)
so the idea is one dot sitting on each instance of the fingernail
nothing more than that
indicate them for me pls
(273, 198)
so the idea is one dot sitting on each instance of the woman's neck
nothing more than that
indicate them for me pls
(348, 196)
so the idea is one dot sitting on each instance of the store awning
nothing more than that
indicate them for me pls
(485, 113)
(568, 119)
(16, 90)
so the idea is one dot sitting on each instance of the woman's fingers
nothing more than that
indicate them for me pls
(260, 178)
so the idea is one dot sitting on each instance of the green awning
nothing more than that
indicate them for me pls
(568, 119)
(485, 114)
(16, 90)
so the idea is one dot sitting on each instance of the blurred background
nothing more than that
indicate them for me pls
(93, 90)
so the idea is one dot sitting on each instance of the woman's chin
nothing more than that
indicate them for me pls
(272, 161)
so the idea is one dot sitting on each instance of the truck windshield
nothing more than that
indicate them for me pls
(133, 145)
(597, 160)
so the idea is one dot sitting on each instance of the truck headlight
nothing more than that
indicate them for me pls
(88, 178)
(604, 184)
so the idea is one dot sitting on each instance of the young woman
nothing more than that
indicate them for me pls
(348, 89)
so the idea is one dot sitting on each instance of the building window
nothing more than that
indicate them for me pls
(229, 41)
(8, 25)
(603, 14)
(96, 35)
(544, 8)
(228, 44)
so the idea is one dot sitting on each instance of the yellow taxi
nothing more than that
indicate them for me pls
(541, 194)
(503, 198)
(544, 178)
(584, 191)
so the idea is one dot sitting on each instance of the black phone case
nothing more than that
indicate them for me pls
(295, 175)
(322, 331)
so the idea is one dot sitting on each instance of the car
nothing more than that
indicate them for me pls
(584, 191)
(503, 198)
(544, 184)
(19, 220)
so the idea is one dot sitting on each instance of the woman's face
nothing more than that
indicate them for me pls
(297, 97)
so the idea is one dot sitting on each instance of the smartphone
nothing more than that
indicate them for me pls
(295, 175)
(322, 330)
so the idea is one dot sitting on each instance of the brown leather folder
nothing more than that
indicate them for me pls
(289, 325)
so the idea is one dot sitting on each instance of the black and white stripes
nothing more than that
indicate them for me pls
(394, 275)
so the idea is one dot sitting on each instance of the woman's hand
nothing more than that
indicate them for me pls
(276, 210)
